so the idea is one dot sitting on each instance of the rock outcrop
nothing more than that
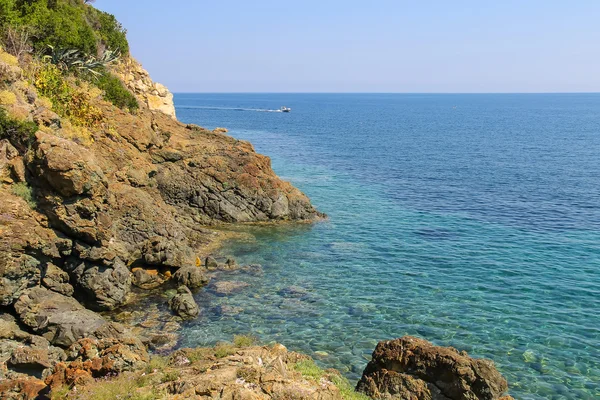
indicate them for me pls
(91, 358)
(183, 304)
(58, 318)
(260, 373)
(412, 368)
(82, 207)
(192, 277)
(154, 95)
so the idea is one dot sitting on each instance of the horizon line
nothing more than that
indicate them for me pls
(232, 92)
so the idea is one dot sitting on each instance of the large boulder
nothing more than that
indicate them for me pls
(192, 277)
(412, 368)
(70, 169)
(59, 319)
(103, 287)
(183, 304)
(161, 251)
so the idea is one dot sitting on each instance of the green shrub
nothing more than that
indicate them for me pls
(244, 340)
(157, 363)
(19, 133)
(115, 91)
(111, 32)
(309, 369)
(67, 100)
(170, 376)
(224, 350)
(24, 191)
(65, 24)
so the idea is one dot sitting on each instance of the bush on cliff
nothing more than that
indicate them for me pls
(115, 91)
(64, 24)
(69, 99)
(19, 133)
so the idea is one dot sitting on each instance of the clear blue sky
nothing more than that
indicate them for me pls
(366, 46)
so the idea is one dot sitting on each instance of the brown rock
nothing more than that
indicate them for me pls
(60, 319)
(164, 252)
(412, 368)
(69, 168)
(146, 279)
(192, 277)
(57, 280)
(211, 264)
(29, 358)
(22, 389)
(183, 304)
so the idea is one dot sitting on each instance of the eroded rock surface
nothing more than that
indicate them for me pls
(412, 368)
(60, 319)
(192, 277)
(183, 303)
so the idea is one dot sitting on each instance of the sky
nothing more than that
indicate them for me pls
(439, 46)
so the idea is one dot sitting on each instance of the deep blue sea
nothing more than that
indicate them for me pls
(472, 221)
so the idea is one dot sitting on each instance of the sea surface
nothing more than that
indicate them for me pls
(472, 221)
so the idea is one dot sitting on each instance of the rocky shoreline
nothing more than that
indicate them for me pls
(94, 218)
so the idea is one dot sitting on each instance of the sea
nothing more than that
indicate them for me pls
(469, 220)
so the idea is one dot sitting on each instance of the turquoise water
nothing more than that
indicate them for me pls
(469, 220)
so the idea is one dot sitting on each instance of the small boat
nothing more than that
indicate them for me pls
(285, 109)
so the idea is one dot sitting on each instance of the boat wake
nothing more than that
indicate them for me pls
(230, 108)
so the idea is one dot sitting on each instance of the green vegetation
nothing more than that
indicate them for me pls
(67, 99)
(60, 393)
(346, 389)
(19, 133)
(224, 350)
(311, 371)
(170, 376)
(198, 354)
(24, 191)
(68, 24)
(123, 387)
(116, 92)
(157, 363)
(244, 340)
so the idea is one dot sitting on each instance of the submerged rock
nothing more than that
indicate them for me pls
(412, 368)
(228, 287)
(183, 304)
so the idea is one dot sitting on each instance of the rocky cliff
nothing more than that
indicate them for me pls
(104, 196)
(153, 95)
(88, 210)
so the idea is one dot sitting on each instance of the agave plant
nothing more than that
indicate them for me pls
(64, 59)
(68, 59)
(91, 63)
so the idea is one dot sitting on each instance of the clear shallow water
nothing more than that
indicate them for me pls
(470, 220)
